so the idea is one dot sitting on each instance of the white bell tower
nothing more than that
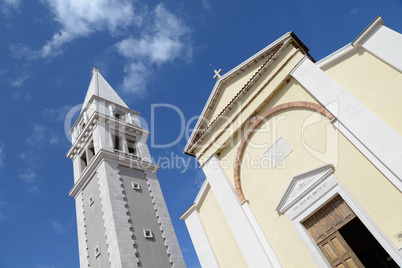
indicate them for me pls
(122, 218)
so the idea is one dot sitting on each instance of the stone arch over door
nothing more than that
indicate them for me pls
(257, 122)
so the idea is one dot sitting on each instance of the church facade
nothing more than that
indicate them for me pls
(303, 159)
(122, 218)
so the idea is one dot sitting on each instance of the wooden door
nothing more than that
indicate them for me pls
(338, 253)
(323, 226)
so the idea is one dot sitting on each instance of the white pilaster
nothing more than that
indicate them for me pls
(246, 237)
(143, 148)
(119, 237)
(77, 168)
(385, 44)
(96, 136)
(200, 240)
(380, 143)
(260, 234)
(82, 238)
(104, 136)
(173, 248)
(111, 110)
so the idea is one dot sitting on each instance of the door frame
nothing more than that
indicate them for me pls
(333, 187)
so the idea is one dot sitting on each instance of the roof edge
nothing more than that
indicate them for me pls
(198, 200)
(368, 31)
(218, 84)
(355, 44)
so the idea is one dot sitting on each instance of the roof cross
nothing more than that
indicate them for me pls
(217, 73)
(95, 68)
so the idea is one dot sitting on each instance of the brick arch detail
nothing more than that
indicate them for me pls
(256, 123)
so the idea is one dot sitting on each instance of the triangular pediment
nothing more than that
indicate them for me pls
(233, 85)
(230, 88)
(301, 184)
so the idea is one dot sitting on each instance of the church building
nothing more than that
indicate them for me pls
(303, 159)
(122, 218)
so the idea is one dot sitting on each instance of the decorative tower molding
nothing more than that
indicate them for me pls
(122, 218)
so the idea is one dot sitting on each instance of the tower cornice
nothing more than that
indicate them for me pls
(97, 118)
(85, 108)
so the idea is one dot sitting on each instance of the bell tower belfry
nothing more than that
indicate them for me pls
(122, 218)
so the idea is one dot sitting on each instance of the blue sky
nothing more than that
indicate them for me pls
(151, 52)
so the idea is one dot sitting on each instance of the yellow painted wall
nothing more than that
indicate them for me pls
(374, 83)
(222, 241)
(265, 190)
(291, 91)
(264, 187)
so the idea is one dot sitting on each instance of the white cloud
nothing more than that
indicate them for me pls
(26, 96)
(19, 81)
(12, 3)
(57, 114)
(136, 78)
(55, 140)
(23, 51)
(206, 5)
(2, 155)
(28, 176)
(164, 40)
(1, 213)
(81, 18)
(27, 158)
(157, 37)
(354, 11)
(59, 227)
(33, 189)
(7, 5)
(44, 266)
(199, 179)
(161, 42)
(38, 136)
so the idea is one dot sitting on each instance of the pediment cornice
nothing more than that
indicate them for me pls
(302, 184)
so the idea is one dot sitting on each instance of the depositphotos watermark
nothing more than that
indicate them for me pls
(309, 131)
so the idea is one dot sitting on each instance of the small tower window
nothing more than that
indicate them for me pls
(117, 143)
(136, 185)
(148, 234)
(83, 161)
(97, 251)
(131, 146)
(118, 115)
(91, 151)
(91, 200)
